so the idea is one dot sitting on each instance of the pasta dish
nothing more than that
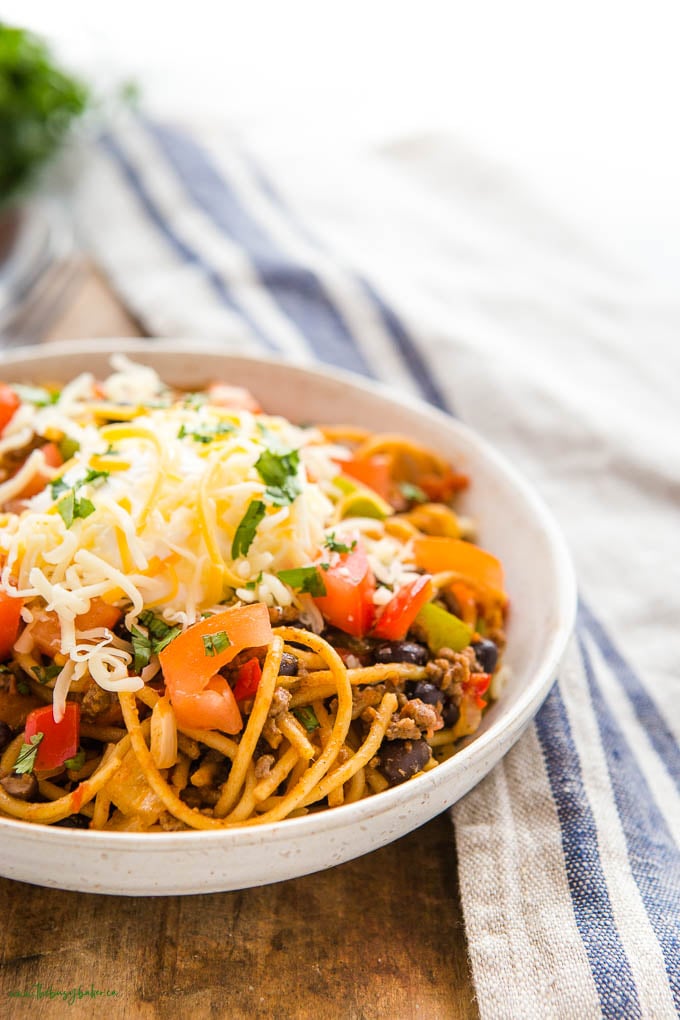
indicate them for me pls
(211, 616)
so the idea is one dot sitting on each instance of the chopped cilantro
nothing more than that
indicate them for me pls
(207, 432)
(278, 471)
(245, 532)
(252, 585)
(339, 547)
(23, 687)
(216, 643)
(307, 716)
(44, 674)
(413, 493)
(26, 758)
(36, 395)
(159, 635)
(304, 579)
(72, 506)
(76, 762)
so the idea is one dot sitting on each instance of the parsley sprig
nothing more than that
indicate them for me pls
(278, 470)
(245, 532)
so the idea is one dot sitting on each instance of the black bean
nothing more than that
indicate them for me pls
(74, 822)
(486, 654)
(289, 665)
(401, 651)
(450, 713)
(427, 692)
(5, 735)
(24, 787)
(401, 759)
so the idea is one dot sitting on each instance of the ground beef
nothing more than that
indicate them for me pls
(414, 720)
(280, 702)
(95, 700)
(366, 697)
(264, 765)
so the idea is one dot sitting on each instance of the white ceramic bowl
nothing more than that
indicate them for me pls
(514, 525)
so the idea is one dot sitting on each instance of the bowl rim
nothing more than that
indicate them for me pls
(513, 721)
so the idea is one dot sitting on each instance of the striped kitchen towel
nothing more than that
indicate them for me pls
(437, 273)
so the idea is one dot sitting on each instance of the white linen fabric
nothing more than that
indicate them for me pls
(427, 268)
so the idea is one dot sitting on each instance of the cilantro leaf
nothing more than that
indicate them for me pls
(304, 579)
(245, 532)
(278, 470)
(213, 644)
(26, 758)
(207, 432)
(159, 635)
(307, 716)
(413, 493)
(339, 547)
(76, 762)
(71, 506)
(43, 674)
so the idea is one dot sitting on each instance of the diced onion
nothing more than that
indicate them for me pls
(163, 735)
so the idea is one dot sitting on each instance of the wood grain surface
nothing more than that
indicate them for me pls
(379, 937)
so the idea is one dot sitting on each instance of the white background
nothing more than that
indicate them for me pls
(579, 98)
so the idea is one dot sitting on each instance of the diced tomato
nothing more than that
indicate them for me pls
(10, 618)
(9, 402)
(477, 685)
(375, 472)
(46, 629)
(213, 708)
(201, 698)
(236, 398)
(53, 459)
(402, 609)
(60, 740)
(348, 602)
(248, 680)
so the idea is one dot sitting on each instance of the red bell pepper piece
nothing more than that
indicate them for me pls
(402, 609)
(59, 740)
(248, 680)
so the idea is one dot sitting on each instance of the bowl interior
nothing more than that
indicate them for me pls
(513, 524)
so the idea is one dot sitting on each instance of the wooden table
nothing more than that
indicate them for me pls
(379, 937)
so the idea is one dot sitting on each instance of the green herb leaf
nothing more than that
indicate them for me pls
(307, 716)
(36, 395)
(83, 507)
(245, 533)
(252, 585)
(304, 579)
(206, 433)
(26, 758)
(66, 507)
(141, 648)
(413, 493)
(23, 687)
(76, 762)
(278, 471)
(44, 674)
(213, 644)
(339, 547)
(160, 632)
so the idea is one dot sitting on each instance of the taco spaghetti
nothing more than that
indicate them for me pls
(212, 617)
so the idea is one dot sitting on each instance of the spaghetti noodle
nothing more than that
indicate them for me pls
(211, 617)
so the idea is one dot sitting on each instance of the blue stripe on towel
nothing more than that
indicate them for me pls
(654, 858)
(296, 290)
(185, 252)
(590, 898)
(403, 341)
(649, 716)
